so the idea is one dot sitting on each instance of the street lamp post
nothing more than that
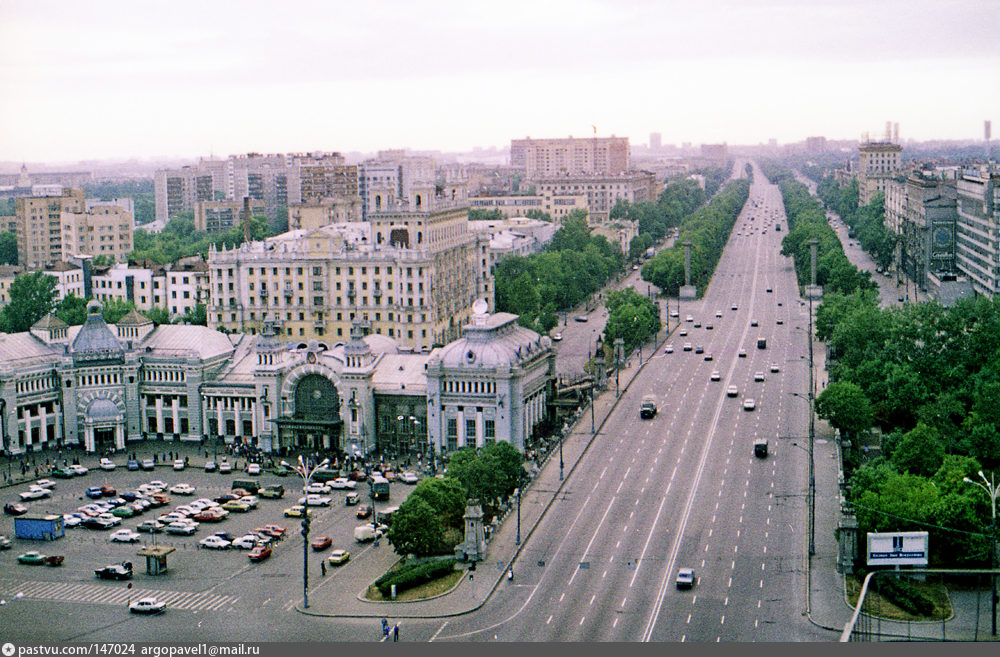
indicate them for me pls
(306, 473)
(812, 438)
(992, 489)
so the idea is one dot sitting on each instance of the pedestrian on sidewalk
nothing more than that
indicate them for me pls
(322, 568)
(395, 632)
(385, 627)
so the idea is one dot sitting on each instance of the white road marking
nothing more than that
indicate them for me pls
(445, 623)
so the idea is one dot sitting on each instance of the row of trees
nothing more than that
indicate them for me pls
(430, 521)
(632, 317)
(707, 229)
(33, 296)
(574, 265)
(867, 222)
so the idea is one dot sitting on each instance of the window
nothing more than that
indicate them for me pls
(452, 434)
(470, 431)
(489, 430)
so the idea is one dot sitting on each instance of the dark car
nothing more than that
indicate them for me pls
(130, 496)
(132, 464)
(108, 490)
(116, 571)
(94, 493)
(226, 497)
(14, 509)
(225, 535)
(699, 349)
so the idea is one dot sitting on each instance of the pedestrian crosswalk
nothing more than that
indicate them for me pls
(113, 594)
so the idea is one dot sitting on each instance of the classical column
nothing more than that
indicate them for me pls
(175, 410)
(120, 435)
(159, 413)
(237, 402)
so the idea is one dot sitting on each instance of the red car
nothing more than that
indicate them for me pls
(108, 491)
(15, 509)
(321, 543)
(276, 531)
(208, 516)
(259, 553)
(357, 475)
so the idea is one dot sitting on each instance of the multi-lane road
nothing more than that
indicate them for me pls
(684, 489)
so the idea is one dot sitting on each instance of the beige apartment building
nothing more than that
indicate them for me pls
(878, 162)
(314, 215)
(39, 227)
(412, 271)
(218, 216)
(540, 158)
(556, 206)
(601, 192)
(104, 230)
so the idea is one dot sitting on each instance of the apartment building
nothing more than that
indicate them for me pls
(977, 252)
(178, 190)
(601, 192)
(39, 226)
(556, 206)
(543, 158)
(921, 210)
(878, 163)
(103, 230)
(218, 216)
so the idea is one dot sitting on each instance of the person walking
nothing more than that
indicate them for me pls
(322, 568)
(385, 628)
(395, 632)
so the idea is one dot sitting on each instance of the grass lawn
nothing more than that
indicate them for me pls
(877, 605)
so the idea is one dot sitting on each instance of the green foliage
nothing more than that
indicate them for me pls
(867, 222)
(72, 310)
(140, 191)
(919, 452)
(534, 213)
(475, 214)
(637, 247)
(101, 261)
(489, 474)
(32, 296)
(158, 315)
(114, 309)
(197, 315)
(844, 404)
(407, 577)
(8, 248)
(417, 529)
(906, 595)
(445, 496)
(708, 230)
(179, 239)
(631, 316)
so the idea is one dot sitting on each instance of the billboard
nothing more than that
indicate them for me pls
(897, 549)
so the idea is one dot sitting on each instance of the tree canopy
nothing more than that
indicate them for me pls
(32, 296)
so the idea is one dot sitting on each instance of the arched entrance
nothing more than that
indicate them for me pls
(103, 426)
(315, 423)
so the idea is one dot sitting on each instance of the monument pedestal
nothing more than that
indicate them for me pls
(688, 292)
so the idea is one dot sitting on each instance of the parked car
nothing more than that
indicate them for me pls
(253, 469)
(259, 553)
(236, 505)
(317, 488)
(273, 491)
(147, 606)
(246, 542)
(45, 483)
(182, 528)
(276, 531)
(409, 477)
(210, 466)
(77, 469)
(125, 536)
(225, 467)
(296, 511)
(132, 464)
(118, 571)
(108, 490)
(34, 493)
(312, 500)
(5, 543)
(343, 483)
(179, 464)
(32, 558)
(14, 509)
(71, 520)
(148, 464)
(351, 499)
(94, 492)
(214, 543)
(182, 489)
(150, 526)
(63, 473)
(107, 464)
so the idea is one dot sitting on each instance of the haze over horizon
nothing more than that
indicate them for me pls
(115, 80)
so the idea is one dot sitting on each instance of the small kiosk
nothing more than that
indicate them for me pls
(156, 558)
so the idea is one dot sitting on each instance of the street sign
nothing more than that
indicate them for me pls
(897, 549)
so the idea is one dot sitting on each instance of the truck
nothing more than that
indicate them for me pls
(39, 527)
(366, 533)
(650, 252)
(648, 407)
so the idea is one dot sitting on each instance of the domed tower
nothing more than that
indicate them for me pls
(267, 345)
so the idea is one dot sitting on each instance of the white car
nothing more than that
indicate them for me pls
(107, 464)
(409, 477)
(715, 376)
(732, 391)
(156, 483)
(315, 500)
(214, 543)
(689, 318)
(125, 536)
(204, 502)
(184, 528)
(45, 483)
(685, 578)
(758, 376)
(35, 493)
(173, 516)
(147, 606)
(316, 488)
(77, 469)
(253, 469)
(249, 500)
(113, 519)
(718, 313)
(225, 467)
(342, 483)
(70, 520)
(245, 542)
(182, 489)
(669, 349)
(179, 464)
(774, 367)
(749, 404)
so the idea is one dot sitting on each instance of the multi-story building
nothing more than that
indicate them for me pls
(104, 230)
(514, 236)
(218, 216)
(261, 178)
(921, 210)
(555, 205)
(7, 275)
(412, 270)
(977, 252)
(545, 158)
(602, 192)
(178, 190)
(39, 227)
(878, 163)
(330, 211)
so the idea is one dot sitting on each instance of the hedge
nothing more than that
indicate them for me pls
(409, 576)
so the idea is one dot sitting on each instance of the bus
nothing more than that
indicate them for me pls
(380, 488)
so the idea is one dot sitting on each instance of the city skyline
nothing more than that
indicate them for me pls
(119, 80)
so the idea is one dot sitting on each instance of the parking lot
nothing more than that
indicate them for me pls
(191, 567)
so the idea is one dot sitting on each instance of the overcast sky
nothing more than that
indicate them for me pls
(90, 80)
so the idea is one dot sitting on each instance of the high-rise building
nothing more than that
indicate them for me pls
(104, 230)
(655, 140)
(602, 192)
(878, 162)
(217, 216)
(541, 158)
(978, 228)
(39, 227)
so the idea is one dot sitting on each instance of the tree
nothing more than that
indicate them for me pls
(158, 315)
(8, 248)
(445, 496)
(845, 406)
(505, 462)
(114, 309)
(416, 529)
(72, 310)
(32, 296)
(101, 261)
(919, 452)
(197, 315)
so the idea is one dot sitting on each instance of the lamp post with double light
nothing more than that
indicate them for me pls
(992, 489)
(306, 473)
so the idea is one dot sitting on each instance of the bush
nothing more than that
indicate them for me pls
(906, 595)
(409, 576)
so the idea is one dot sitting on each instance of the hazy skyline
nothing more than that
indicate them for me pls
(93, 80)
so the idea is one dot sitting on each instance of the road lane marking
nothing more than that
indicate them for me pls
(549, 620)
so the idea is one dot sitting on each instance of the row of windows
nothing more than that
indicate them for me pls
(474, 387)
(166, 376)
(37, 384)
(166, 400)
(100, 379)
(229, 403)
(50, 408)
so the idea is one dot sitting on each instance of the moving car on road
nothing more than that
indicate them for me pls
(685, 578)
(259, 553)
(339, 557)
(118, 571)
(321, 543)
(147, 606)
(125, 536)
